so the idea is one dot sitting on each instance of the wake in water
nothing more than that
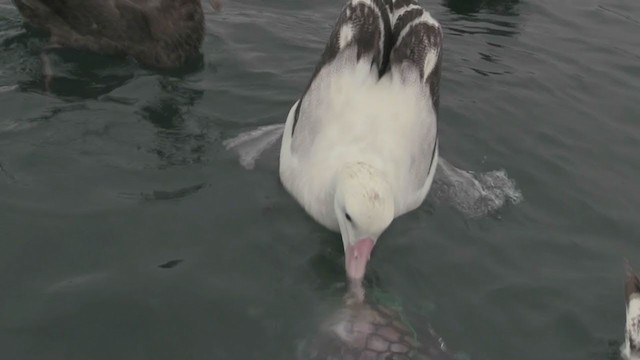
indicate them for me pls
(473, 194)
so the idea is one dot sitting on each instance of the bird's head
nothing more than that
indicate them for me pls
(364, 207)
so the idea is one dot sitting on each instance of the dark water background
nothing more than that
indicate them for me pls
(121, 170)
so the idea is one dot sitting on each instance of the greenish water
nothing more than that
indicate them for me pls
(119, 171)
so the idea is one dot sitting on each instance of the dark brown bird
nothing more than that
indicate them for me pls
(160, 34)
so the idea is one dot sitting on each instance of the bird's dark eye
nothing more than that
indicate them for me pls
(348, 217)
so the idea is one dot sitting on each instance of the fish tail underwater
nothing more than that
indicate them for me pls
(362, 179)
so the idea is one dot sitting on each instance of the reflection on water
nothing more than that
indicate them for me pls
(466, 7)
(179, 139)
(168, 111)
(483, 17)
(80, 75)
(91, 111)
(484, 26)
(76, 74)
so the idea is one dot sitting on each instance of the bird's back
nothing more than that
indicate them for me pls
(158, 33)
(373, 98)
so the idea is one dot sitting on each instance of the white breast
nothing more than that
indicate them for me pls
(352, 116)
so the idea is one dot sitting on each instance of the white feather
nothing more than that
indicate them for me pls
(398, 13)
(346, 34)
(384, 123)
(632, 328)
(424, 18)
(430, 62)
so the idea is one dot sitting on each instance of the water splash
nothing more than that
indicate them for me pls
(473, 194)
(251, 144)
(7, 88)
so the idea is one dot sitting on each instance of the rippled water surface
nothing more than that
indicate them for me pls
(128, 231)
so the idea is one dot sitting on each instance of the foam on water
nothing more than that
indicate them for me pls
(473, 194)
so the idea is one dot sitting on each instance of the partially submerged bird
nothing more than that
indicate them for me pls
(160, 34)
(631, 346)
(360, 146)
(372, 331)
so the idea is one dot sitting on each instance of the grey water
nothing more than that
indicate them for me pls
(129, 231)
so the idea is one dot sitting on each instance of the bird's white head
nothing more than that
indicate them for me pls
(364, 207)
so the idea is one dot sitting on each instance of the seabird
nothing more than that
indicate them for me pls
(161, 34)
(360, 146)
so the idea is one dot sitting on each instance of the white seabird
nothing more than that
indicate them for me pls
(631, 346)
(360, 147)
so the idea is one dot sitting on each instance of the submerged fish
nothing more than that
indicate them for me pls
(363, 330)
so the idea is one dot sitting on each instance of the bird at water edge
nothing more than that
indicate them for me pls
(360, 146)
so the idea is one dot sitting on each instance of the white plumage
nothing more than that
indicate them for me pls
(360, 146)
(631, 346)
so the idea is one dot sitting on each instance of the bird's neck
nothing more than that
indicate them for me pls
(359, 175)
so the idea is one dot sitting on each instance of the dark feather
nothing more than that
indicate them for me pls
(632, 283)
(415, 40)
(370, 24)
(407, 43)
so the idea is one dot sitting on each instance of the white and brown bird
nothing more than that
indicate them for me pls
(631, 346)
(360, 147)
